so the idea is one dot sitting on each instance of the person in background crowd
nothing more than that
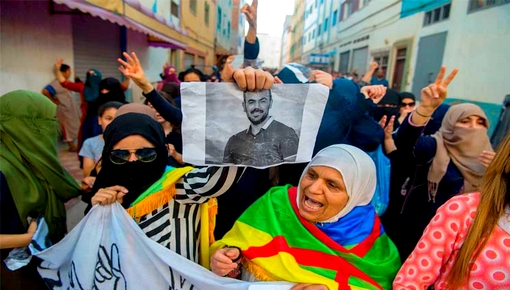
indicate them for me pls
(388, 106)
(380, 78)
(345, 119)
(93, 147)
(168, 76)
(407, 104)
(467, 243)
(503, 126)
(173, 137)
(67, 109)
(365, 80)
(33, 183)
(325, 231)
(174, 91)
(452, 161)
(191, 75)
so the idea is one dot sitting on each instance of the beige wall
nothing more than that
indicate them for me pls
(30, 41)
(200, 38)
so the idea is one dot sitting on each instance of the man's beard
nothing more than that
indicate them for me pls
(260, 120)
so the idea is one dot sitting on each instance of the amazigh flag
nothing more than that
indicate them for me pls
(279, 245)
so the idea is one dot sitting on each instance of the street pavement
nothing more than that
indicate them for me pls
(75, 206)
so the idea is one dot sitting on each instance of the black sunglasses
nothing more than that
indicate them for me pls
(121, 156)
(408, 104)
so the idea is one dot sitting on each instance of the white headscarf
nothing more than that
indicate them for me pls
(357, 170)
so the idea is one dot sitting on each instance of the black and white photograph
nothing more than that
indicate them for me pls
(224, 125)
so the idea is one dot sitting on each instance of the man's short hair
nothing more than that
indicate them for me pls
(64, 67)
(270, 95)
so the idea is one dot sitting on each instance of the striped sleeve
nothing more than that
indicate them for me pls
(201, 184)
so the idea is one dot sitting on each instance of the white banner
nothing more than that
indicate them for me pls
(107, 250)
(223, 125)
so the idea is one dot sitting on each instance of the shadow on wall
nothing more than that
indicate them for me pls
(493, 111)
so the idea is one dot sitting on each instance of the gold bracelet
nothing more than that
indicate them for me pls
(424, 116)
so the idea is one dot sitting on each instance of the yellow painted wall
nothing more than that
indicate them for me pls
(200, 39)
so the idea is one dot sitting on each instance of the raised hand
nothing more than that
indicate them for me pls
(133, 69)
(251, 13)
(322, 77)
(253, 79)
(374, 65)
(433, 95)
(58, 64)
(375, 93)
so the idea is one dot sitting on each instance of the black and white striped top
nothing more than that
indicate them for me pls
(176, 225)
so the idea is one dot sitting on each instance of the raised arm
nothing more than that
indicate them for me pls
(132, 69)
(368, 75)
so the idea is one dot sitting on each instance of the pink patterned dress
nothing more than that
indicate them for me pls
(432, 259)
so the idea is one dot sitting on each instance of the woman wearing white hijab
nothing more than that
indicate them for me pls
(323, 232)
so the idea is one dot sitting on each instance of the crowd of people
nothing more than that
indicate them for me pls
(446, 225)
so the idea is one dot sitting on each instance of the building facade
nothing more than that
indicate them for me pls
(36, 33)
(297, 26)
(412, 41)
(237, 27)
(286, 41)
(198, 19)
(223, 31)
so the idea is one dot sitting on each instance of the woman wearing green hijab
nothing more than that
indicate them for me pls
(32, 180)
(29, 162)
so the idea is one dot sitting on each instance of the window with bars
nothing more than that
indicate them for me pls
(437, 15)
(335, 15)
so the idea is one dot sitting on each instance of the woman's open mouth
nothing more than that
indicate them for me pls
(311, 204)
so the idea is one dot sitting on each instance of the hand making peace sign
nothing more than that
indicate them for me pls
(434, 94)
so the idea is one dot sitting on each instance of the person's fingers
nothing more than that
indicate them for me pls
(240, 79)
(299, 286)
(117, 188)
(260, 79)
(255, 4)
(128, 58)
(137, 61)
(382, 122)
(427, 92)
(124, 71)
(389, 128)
(221, 257)
(278, 81)
(249, 74)
(232, 253)
(435, 91)
(440, 75)
(450, 77)
(244, 9)
(123, 63)
(269, 81)
(442, 91)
